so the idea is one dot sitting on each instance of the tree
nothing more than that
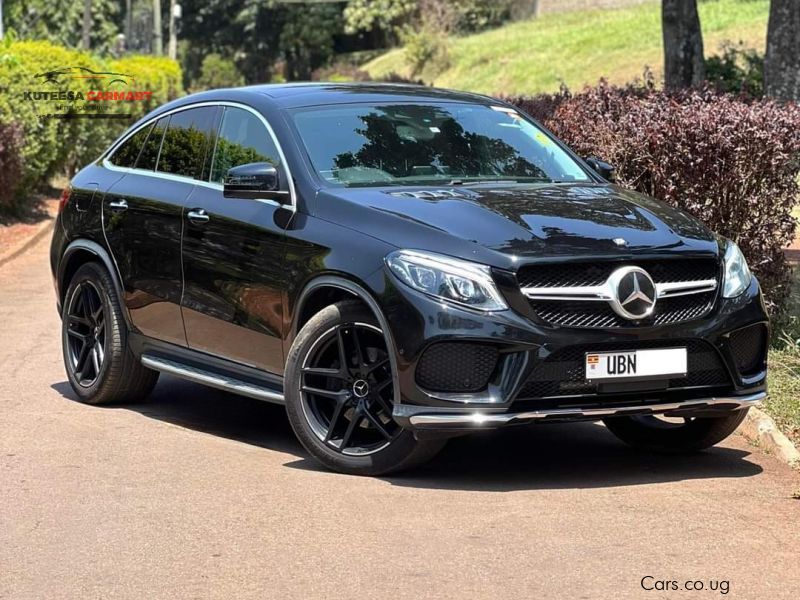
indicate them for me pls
(158, 35)
(62, 22)
(683, 44)
(782, 63)
(86, 31)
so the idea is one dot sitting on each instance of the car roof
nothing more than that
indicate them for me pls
(294, 95)
(310, 94)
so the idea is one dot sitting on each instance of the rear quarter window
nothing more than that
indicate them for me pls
(188, 138)
(149, 155)
(128, 153)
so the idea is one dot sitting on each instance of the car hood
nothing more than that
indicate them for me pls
(508, 224)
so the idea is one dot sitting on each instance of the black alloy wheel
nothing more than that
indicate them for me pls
(101, 367)
(346, 390)
(86, 333)
(340, 395)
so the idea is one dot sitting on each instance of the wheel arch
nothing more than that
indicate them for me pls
(329, 289)
(77, 254)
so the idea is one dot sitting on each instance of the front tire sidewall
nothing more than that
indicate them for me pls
(403, 452)
(696, 435)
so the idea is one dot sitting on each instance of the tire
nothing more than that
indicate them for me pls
(657, 435)
(92, 317)
(322, 418)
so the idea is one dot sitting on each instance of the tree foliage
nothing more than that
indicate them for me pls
(60, 21)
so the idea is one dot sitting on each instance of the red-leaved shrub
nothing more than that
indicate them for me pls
(731, 161)
(11, 141)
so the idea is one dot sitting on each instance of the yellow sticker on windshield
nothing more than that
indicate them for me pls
(542, 138)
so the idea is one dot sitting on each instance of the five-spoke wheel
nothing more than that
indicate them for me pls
(340, 395)
(346, 389)
(101, 368)
(86, 333)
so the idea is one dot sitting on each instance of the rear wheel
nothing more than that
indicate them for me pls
(339, 391)
(100, 367)
(657, 433)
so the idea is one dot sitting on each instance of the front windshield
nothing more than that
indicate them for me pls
(417, 144)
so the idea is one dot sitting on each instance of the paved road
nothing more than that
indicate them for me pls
(200, 494)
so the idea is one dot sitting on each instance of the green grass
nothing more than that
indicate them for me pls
(783, 402)
(577, 48)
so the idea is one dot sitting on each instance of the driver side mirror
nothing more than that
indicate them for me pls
(252, 180)
(602, 168)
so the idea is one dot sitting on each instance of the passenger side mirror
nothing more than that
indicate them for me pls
(252, 180)
(602, 168)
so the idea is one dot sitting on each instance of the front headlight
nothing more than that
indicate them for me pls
(737, 273)
(457, 281)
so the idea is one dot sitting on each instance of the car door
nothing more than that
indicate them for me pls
(233, 254)
(143, 217)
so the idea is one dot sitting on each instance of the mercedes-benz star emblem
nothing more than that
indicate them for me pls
(360, 388)
(633, 293)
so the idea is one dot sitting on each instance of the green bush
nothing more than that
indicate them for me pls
(217, 72)
(60, 146)
(738, 69)
(425, 49)
(43, 151)
(158, 74)
(11, 142)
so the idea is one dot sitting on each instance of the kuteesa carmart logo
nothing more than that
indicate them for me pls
(81, 93)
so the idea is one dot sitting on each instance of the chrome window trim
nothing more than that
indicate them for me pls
(182, 178)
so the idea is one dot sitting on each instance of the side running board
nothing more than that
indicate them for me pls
(209, 378)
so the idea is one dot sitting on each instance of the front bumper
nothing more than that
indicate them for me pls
(417, 322)
(422, 418)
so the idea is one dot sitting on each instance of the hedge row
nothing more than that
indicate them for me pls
(48, 146)
(731, 161)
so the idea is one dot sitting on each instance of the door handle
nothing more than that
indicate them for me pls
(118, 205)
(198, 216)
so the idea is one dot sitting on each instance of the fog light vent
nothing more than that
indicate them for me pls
(749, 347)
(456, 367)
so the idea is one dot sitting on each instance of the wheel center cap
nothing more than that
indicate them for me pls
(360, 388)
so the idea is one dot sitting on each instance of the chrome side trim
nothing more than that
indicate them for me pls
(124, 137)
(215, 380)
(477, 420)
(604, 292)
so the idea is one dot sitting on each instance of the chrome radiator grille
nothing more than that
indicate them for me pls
(587, 295)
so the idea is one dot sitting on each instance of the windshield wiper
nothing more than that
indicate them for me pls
(461, 182)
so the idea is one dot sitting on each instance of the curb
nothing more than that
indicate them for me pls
(759, 429)
(41, 231)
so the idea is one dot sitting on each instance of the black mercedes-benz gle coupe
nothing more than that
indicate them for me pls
(398, 265)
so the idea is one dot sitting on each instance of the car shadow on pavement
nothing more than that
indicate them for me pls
(212, 411)
(556, 456)
(564, 456)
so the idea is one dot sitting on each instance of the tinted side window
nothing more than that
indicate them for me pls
(149, 155)
(128, 152)
(242, 139)
(186, 142)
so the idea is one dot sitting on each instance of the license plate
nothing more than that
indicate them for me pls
(636, 364)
